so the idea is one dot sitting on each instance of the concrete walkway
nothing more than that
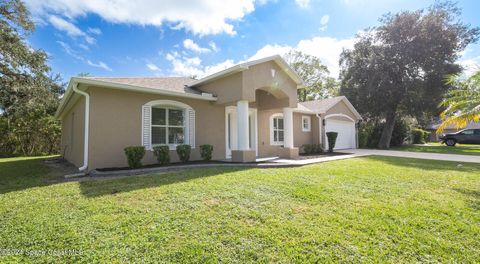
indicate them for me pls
(415, 155)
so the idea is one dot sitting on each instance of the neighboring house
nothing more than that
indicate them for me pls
(247, 111)
(433, 126)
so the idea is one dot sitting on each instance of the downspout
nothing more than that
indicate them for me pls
(320, 139)
(87, 122)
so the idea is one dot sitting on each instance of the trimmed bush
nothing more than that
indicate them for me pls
(162, 153)
(418, 136)
(308, 149)
(134, 156)
(332, 138)
(206, 152)
(183, 152)
(318, 148)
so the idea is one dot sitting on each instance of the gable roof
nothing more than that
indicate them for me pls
(170, 86)
(245, 65)
(322, 106)
(175, 84)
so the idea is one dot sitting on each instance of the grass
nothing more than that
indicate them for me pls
(374, 209)
(441, 148)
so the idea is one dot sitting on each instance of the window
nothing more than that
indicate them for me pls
(168, 125)
(306, 120)
(467, 132)
(276, 128)
(477, 132)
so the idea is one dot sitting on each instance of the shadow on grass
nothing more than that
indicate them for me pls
(473, 197)
(22, 173)
(97, 188)
(431, 165)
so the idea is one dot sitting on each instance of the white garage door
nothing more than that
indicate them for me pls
(345, 130)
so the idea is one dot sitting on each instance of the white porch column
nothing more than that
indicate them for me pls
(242, 125)
(288, 127)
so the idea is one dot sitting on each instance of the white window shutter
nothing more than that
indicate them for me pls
(191, 127)
(146, 126)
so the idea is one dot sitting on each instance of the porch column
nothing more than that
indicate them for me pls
(288, 127)
(242, 125)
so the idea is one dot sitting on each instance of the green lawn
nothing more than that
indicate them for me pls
(442, 148)
(374, 209)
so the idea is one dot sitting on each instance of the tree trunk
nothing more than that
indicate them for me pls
(387, 131)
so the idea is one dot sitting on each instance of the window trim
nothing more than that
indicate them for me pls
(167, 126)
(272, 129)
(188, 131)
(309, 122)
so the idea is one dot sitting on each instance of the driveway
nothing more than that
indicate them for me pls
(415, 155)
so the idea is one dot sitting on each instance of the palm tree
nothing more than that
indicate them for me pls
(462, 104)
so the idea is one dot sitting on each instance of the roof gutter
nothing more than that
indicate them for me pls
(86, 126)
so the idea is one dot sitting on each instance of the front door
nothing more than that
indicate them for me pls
(231, 130)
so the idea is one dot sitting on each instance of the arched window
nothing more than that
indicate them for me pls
(276, 129)
(169, 123)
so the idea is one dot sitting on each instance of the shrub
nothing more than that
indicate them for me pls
(308, 148)
(162, 153)
(318, 148)
(418, 136)
(369, 133)
(183, 152)
(206, 152)
(134, 156)
(426, 136)
(332, 138)
(400, 133)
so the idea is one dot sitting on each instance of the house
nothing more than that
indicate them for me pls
(247, 111)
(434, 125)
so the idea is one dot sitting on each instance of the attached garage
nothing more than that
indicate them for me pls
(337, 115)
(346, 138)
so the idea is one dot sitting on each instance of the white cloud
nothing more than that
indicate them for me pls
(303, 3)
(69, 28)
(470, 65)
(201, 17)
(324, 22)
(153, 67)
(191, 45)
(100, 64)
(213, 46)
(326, 48)
(95, 31)
(192, 66)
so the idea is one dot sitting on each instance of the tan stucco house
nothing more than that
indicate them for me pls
(247, 111)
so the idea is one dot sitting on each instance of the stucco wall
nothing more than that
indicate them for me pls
(300, 138)
(73, 133)
(228, 89)
(115, 123)
(341, 108)
(260, 75)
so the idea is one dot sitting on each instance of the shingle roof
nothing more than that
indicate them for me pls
(176, 84)
(321, 106)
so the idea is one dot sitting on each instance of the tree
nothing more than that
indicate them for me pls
(462, 104)
(313, 73)
(29, 94)
(398, 68)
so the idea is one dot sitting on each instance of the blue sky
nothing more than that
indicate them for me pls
(198, 37)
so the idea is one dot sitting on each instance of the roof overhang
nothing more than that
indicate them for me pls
(246, 65)
(118, 86)
(343, 99)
